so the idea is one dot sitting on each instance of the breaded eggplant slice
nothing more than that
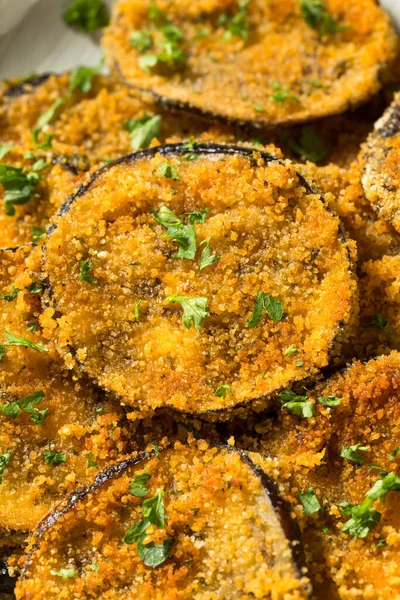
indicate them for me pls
(180, 276)
(85, 131)
(381, 161)
(217, 529)
(327, 465)
(251, 61)
(344, 194)
(54, 431)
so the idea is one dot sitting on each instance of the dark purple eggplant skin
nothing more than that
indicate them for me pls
(25, 87)
(289, 526)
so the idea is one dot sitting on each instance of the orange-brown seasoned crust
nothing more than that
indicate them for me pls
(233, 78)
(381, 159)
(227, 539)
(343, 191)
(303, 453)
(79, 420)
(271, 234)
(87, 131)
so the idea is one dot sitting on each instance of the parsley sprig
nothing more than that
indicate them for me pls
(195, 309)
(87, 15)
(20, 185)
(317, 16)
(27, 404)
(153, 511)
(4, 460)
(237, 24)
(298, 405)
(273, 307)
(13, 340)
(363, 517)
(143, 130)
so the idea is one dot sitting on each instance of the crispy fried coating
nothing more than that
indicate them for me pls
(87, 131)
(267, 63)
(268, 233)
(228, 541)
(381, 160)
(304, 453)
(70, 421)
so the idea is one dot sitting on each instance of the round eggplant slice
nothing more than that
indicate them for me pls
(55, 432)
(327, 468)
(381, 160)
(252, 61)
(83, 132)
(185, 284)
(189, 522)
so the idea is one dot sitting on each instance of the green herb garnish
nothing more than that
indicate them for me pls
(316, 15)
(86, 267)
(177, 231)
(81, 78)
(280, 95)
(352, 453)
(329, 401)
(4, 460)
(207, 259)
(142, 40)
(195, 310)
(238, 24)
(291, 350)
(91, 463)
(310, 145)
(64, 573)
(394, 453)
(222, 390)
(13, 340)
(309, 501)
(37, 233)
(87, 15)
(27, 404)
(4, 149)
(143, 131)
(53, 458)
(298, 405)
(20, 185)
(137, 487)
(11, 295)
(168, 171)
(273, 307)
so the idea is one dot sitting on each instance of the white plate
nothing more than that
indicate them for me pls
(34, 38)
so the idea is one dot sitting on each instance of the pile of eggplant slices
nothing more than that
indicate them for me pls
(200, 307)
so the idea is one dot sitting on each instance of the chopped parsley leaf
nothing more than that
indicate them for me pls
(177, 231)
(394, 453)
(81, 78)
(153, 511)
(273, 307)
(309, 501)
(136, 309)
(91, 464)
(13, 340)
(48, 116)
(316, 15)
(198, 216)
(142, 40)
(352, 453)
(310, 145)
(298, 405)
(329, 400)
(86, 267)
(20, 185)
(64, 573)
(137, 487)
(37, 233)
(168, 171)
(26, 404)
(291, 350)
(4, 460)
(4, 149)
(195, 310)
(238, 24)
(207, 259)
(363, 516)
(53, 458)
(222, 390)
(87, 15)
(379, 322)
(11, 295)
(280, 95)
(143, 131)
(34, 287)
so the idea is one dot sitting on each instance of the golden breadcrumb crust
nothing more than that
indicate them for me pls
(381, 165)
(79, 420)
(227, 539)
(270, 233)
(303, 453)
(229, 77)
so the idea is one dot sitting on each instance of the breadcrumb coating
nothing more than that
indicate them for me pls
(271, 235)
(381, 160)
(78, 419)
(228, 541)
(231, 60)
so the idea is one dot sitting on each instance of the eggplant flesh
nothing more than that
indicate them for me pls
(229, 534)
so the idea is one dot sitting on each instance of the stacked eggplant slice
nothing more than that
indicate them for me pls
(199, 300)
